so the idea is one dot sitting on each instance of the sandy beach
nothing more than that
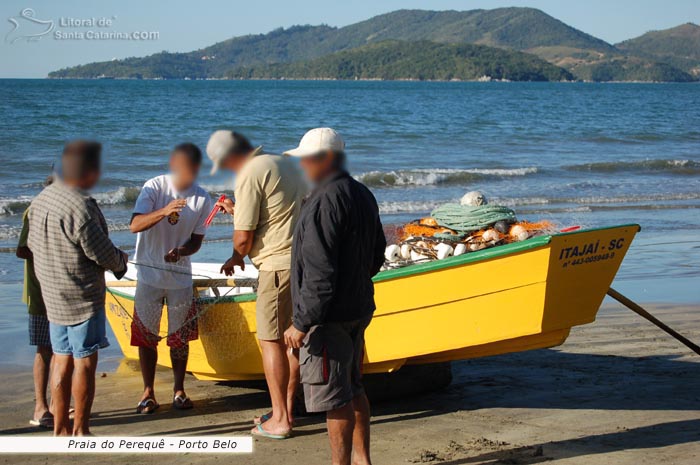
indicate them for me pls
(618, 391)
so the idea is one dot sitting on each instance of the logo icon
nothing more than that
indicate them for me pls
(173, 218)
(27, 27)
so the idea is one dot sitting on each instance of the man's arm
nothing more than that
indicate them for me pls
(242, 243)
(190, 247)
(23, 251)
(320, 249)
(143, 221)
(379, 248)
(97, 246)
(249, 195)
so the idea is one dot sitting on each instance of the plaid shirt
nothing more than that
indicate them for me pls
(68, 239)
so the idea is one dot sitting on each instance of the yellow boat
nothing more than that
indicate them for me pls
(520, 296)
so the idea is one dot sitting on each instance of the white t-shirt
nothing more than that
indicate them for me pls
(168, 233)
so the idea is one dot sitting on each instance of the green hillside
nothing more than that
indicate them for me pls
(397, 60)
(627, 68)
(678, 46)
(524, 29)
(517, 28)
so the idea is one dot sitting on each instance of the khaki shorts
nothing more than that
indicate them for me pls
(331, 364)
(273, 308)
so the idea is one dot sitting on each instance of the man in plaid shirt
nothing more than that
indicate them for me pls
(69, 241)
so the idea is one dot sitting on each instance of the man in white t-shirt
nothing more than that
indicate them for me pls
(169, 218)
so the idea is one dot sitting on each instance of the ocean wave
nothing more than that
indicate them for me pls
(14, 206)
(122, 195)
(545, 204)
(437, 176)
(686, 167)
(119, 196)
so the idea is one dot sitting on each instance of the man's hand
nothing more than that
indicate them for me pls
(227, 205)
(173, 255)
(119, 274)
(24, 253)
(235, 260)
(175, 206)
(294, 338)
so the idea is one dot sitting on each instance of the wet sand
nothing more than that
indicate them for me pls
(617, 392)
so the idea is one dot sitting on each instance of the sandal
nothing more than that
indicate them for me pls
(259, 431)
(182, 402)
(147, 406)
(262, 418)
(46, 421)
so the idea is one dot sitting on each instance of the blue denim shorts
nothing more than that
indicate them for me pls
(81, 340)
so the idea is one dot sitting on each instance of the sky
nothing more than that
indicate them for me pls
(179, 25)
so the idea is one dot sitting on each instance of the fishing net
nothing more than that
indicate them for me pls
(546, 227)
(418, 229)
(225, 328)
(454, 229)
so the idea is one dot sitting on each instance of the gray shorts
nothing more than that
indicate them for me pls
(331, 364)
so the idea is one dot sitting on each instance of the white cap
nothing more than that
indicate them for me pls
(317, 141)
(218, 147)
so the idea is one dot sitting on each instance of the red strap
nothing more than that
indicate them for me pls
(570, 229)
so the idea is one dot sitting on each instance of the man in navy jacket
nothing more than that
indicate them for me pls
(338, 247)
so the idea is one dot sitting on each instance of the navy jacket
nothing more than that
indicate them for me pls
(338, 247)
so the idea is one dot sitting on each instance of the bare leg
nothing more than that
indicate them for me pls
(148, 358)
(293, 385)
(276, 366)
(60, 393)
(341, 423)
(83, 393)
(360, 435)
(178, 357)
(42, 367)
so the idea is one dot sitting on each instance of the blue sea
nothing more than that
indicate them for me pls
(571, 153)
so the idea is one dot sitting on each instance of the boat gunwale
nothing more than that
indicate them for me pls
(428, 267)
(486, 254)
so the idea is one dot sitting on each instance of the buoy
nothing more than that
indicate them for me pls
(392, 253)
(444, 250)
(460, 249)
(405, 251)
(491, 235)
(474, 246)
(473, 199)
(417, 257)
(518, 233)
(501, 226)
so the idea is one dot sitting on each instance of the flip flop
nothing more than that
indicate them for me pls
(259, 431)
(46, 421)
(147, 406)
(182, 403)
(262, 418)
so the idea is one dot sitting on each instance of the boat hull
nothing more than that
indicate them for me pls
(516, 297)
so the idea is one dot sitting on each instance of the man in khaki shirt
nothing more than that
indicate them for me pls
(269, 192)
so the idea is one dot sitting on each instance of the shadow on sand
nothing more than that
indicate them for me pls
(547, 379)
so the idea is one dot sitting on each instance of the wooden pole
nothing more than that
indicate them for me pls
(203, 282)
(645, 314)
